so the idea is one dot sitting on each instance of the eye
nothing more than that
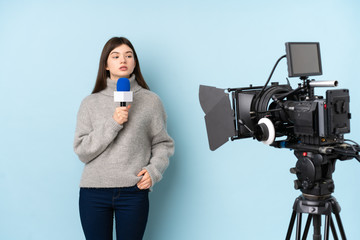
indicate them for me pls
(115, 57)
(129, 56)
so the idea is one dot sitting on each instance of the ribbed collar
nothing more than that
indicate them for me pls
(111, 86)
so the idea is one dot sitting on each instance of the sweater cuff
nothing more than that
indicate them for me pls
(112, 124)
(155, 175)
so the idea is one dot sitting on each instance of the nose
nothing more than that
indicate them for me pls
(122, 59)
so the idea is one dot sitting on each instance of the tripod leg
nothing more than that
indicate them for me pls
(333, 230)
(298, 227)
(341, 227)
(291, 225)
(317, 227)
(326, 232)
(307, 226)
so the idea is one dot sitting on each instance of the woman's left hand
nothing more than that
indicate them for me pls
(145, 181)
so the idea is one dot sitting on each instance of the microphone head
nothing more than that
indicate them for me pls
(123, 85)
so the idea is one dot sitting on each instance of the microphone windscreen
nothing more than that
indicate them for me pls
(123, 85)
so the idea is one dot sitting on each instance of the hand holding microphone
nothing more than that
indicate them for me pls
(121, 114)
(122, 95)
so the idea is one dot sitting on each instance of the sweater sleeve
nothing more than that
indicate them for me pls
(162, 148)
(90, 142)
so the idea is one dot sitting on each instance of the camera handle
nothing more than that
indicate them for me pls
(308, 85)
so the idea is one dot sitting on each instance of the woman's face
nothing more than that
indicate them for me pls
(120, 62)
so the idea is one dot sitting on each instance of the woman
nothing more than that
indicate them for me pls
(125, 149)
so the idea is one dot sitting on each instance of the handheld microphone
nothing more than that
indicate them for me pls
(123, 93)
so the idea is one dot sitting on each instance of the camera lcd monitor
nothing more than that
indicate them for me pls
(303, 59)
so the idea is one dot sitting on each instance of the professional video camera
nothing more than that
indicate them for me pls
(312, 126)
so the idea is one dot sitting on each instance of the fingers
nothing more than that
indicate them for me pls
(122, 110)
(142, 172)
(145, 175)
(145, 181)
(144, 185)
(121, 114)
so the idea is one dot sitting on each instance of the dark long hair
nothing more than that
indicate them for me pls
(103, 74)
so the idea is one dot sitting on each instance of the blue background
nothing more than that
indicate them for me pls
(49, 53)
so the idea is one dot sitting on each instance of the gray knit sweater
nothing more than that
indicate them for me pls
(114, 154)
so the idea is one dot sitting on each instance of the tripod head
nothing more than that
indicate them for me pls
(314, 168)
(314, 173)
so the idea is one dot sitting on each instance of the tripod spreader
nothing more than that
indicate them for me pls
(315, 207)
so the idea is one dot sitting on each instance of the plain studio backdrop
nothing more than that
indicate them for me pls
(49, 55)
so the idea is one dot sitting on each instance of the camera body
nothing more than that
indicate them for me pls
(295, 113)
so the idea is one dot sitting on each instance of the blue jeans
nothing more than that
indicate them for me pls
(98, 205)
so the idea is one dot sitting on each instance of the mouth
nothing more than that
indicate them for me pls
(123, 68)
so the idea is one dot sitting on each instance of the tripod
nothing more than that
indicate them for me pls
(315, 207)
